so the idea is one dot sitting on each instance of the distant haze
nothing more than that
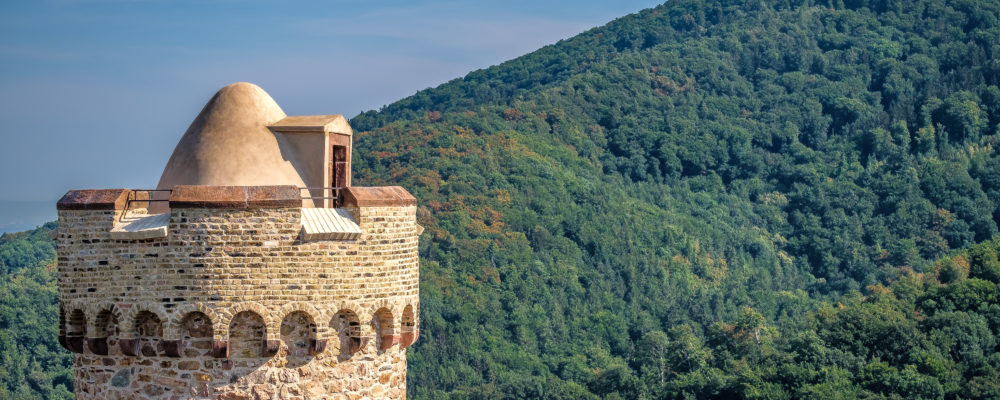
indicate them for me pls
(16, 216)
(96, 93)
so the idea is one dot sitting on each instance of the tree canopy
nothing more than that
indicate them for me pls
(728, 199)
(704, 172)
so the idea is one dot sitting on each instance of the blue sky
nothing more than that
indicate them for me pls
(95, 93)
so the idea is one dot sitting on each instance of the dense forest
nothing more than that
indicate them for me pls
(736, 199)
(32, 363)
(696, 164)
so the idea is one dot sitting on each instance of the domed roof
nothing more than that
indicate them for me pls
(229, 143)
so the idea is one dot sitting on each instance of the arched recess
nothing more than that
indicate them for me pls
(247, 335)
(315, 313)
(148, 329)
(76, 330)
(266, 314)
(175, 328)
(106, 333)
(298, 333)
(196, 334)
(385, 329)
(408, 327)
(347, 326)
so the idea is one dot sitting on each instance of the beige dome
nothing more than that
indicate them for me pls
(229, 143)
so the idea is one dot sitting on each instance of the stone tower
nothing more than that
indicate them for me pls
(254, 270)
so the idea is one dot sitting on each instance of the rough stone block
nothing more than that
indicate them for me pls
(129, 347)
(173, 348)
(98, 346)
(75, 344)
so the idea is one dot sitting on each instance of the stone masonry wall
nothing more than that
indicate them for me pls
(233, 305)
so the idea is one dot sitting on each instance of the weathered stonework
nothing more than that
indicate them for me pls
(233, 303)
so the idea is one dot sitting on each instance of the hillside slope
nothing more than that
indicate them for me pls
(679, 167)
(32, 363)
(741, 199)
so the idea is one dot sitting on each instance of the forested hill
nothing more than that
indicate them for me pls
(737, 199)
(690, 165)
(32, 363)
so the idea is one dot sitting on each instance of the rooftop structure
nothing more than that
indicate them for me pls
(254, 270)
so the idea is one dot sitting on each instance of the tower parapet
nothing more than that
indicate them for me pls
(240, 292)
(233, 299)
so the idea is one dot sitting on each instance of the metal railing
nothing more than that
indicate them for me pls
(335, 196)
(134, 197)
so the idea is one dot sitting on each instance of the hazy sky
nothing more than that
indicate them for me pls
(96, 93)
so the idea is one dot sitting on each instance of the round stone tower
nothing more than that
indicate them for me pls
(254, 271)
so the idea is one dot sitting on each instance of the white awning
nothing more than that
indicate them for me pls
(329, 224)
